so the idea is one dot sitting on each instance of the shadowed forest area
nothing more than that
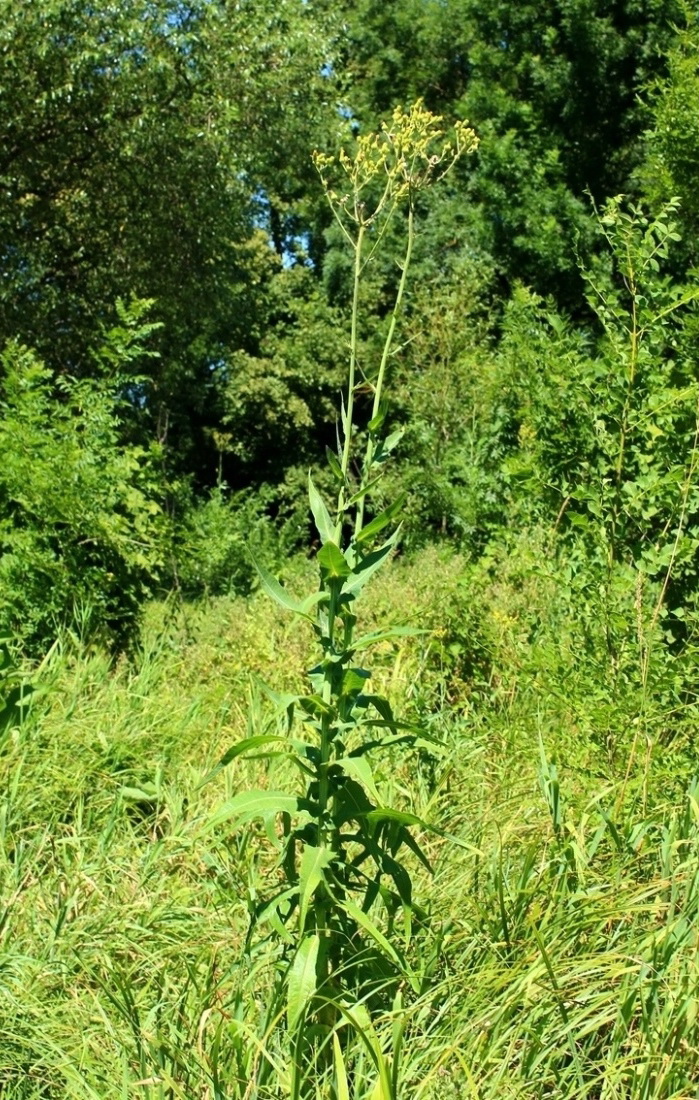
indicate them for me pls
(349, 533)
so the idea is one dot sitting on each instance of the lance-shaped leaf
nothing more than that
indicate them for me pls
(271, 911)
(360, 768)
(385, 813)
(280, 595)
(361, 1024)
(381, 521)
(390, 443)
(251, 804)
(351, 802)
(353, 680)
(301, 982)
(376, 421)
(369, 565)
(334, 464)
(365, 922)
(311, 874)
(363, 490)
(282, 699)
(246, 745)
(341, 1082)
(315, 706)
(324, 524)
(385, 710)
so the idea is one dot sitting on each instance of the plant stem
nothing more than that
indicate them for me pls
(388, 344)
(351, 382)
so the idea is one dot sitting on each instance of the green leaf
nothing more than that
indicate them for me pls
(238, 749)
(385, 710)
(369, 565)
(325, 526)
(410, 841)
(279, 594)
(313, 864)
(332, 562)
(282, 700)
(385, 813)
(315, 706)
(274, 589)
(251, 804)
(382, 520)
(391, 441)
(364, 489)
(270, 912)
(365, 922)
(360, 768)
(334, 464)
(341, 1083)
(385, 635)
(301, 983)
(376, 421)
(353, 680)
(351, 802)
(147, 793)
(578, 520)
(358, 1017)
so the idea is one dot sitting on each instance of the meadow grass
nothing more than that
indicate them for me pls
(558, 956)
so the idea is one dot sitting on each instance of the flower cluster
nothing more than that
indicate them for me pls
(404, 156)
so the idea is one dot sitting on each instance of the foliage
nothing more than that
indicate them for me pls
(137, 139)
(609, 430)
(280, 401)
(16, 691)
(561, 946)
(259, 936)
(81, 524)
(553, 90)
(453, 412)
(212, 544)
(673, 136)
(162, 149)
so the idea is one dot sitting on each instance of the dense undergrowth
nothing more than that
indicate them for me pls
(557, 956)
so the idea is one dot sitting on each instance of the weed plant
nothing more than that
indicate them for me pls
(341, 850)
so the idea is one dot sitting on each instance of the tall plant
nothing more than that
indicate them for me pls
(341, 849)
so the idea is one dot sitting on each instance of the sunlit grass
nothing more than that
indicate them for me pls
(560, 954)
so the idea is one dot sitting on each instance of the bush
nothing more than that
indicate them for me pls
(212, 544)
(81, 527)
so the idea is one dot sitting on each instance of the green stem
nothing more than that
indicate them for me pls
(322, 903)
(325, 735)
(349, 411)
(381, 377)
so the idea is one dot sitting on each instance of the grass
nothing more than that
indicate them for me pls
(561, 956)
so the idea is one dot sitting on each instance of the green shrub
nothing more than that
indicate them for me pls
(212, 545)
(81, 527)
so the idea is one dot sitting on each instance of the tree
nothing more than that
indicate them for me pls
(552, 89)
(138, 142)
(672, 165)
